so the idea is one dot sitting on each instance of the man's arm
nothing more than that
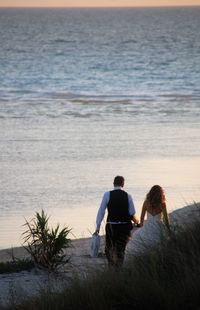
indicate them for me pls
(101, 212)
(132, 210)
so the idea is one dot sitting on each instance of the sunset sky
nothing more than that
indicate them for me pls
(96, 3)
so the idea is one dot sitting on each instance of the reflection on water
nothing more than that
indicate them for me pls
(71, 193)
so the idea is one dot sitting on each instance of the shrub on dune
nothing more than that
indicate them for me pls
(46, 246)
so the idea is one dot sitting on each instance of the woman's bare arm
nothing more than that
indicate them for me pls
(144, 209)
(165, 215)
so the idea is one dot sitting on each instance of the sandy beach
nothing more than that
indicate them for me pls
(27, 283)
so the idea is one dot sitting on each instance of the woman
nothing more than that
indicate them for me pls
(155, 206)
(154, 229)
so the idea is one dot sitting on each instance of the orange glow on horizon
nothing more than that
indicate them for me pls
(97, 3)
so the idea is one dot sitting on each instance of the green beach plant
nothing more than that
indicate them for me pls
(46, 246)
(16, 265)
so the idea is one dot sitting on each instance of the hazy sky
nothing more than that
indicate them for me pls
(77, 3)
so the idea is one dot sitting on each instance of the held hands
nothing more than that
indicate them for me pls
(136, 221)
(136, 225)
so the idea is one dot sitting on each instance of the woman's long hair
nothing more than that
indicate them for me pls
(156, 196)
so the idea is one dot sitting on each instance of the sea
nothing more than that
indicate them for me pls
(87, 94)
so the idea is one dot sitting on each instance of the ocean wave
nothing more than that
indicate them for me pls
(63, 41)
(32, 95)
(99, 101)
(30, 104)
(129, 42)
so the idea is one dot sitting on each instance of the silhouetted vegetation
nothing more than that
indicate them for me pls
(16, 265)
(46, 246)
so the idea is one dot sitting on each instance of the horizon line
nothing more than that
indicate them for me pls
(101, 7)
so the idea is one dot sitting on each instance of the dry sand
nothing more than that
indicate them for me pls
(28, 283)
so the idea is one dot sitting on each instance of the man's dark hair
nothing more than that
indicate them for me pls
(118, 181)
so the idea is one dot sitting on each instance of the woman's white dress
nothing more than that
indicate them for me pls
(154, 232)
(146, 238)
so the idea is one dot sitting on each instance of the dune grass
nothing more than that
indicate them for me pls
(16, 266)
(166, 279)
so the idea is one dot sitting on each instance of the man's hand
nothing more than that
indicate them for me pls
(135, 219)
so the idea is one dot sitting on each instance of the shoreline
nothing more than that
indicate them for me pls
(81, 246)
(65, 209)
(20, 252)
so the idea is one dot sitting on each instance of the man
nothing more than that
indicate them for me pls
(121, 212)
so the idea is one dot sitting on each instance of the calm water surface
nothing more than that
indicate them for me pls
(87, 94)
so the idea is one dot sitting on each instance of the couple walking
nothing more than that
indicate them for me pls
(121, 216)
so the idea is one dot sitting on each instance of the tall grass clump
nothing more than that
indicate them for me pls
(167, 278)
(46, 246)
(16, 265)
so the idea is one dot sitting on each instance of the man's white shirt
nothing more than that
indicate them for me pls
(104, 203)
